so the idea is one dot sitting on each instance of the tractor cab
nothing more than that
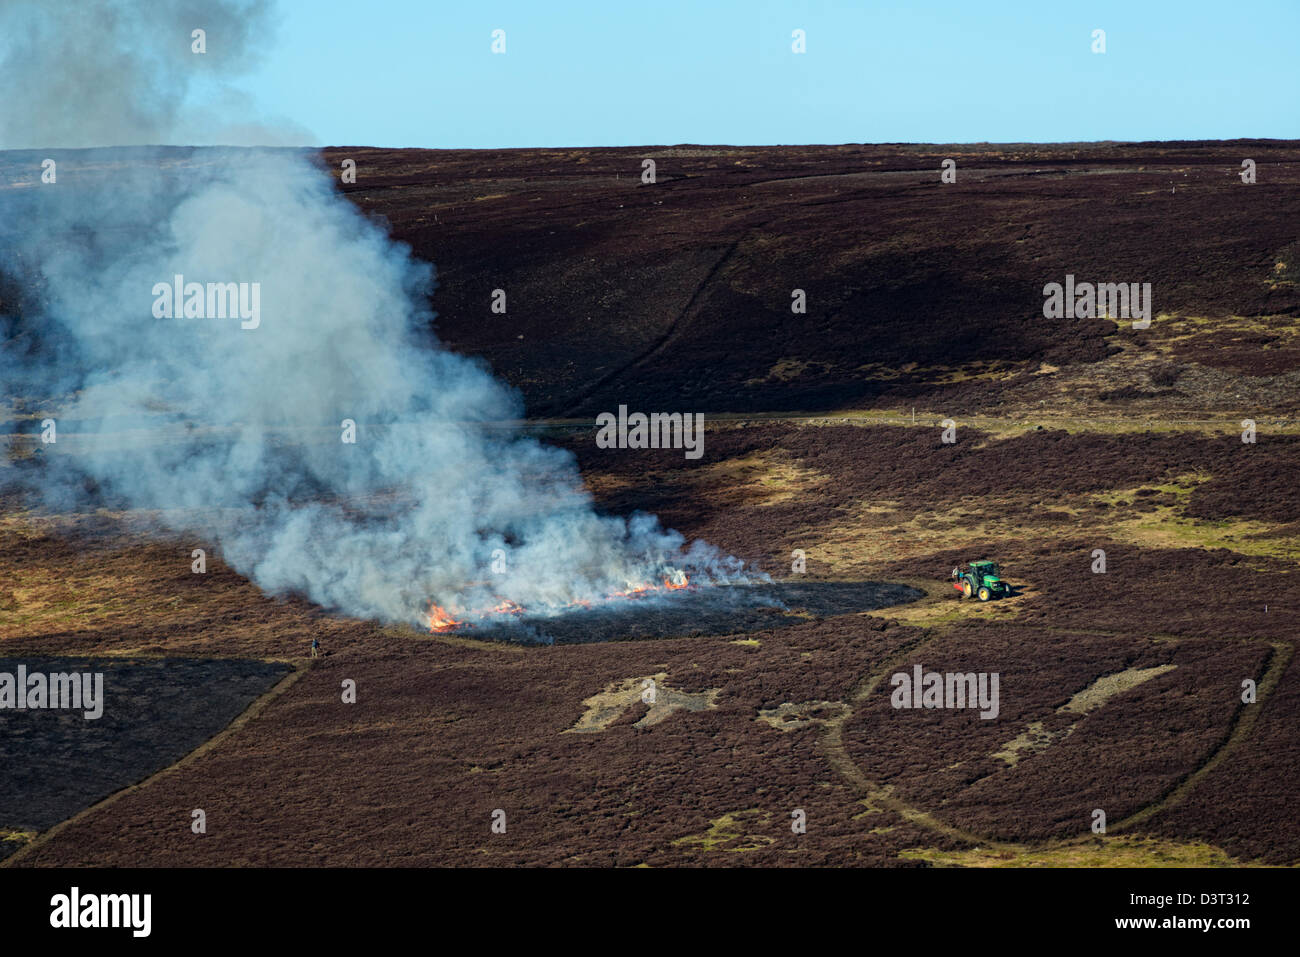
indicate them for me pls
(980, 579)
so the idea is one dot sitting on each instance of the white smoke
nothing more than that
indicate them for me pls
(124, 72)
(235, 433)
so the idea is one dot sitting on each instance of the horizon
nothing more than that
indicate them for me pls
(1263, 140)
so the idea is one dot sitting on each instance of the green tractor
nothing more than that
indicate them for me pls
(982, 580)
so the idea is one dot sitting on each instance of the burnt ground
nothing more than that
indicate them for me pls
(1120, 690)
(692, 611)
(154, 712)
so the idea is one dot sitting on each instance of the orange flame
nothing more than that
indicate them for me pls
(440, 619)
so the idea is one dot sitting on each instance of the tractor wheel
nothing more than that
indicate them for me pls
(985, 594)
(966, 589)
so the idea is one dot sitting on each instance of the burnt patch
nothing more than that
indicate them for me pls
(715, 610)
(58, 761)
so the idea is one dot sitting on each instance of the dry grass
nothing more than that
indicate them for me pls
(789, 716)
(606, 707)
(1107, 686)
(1100, 852)
(729, 833)
(763, 478)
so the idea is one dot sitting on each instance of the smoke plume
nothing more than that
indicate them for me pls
(233, 431)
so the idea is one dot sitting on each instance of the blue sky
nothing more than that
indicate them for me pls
(611, 73)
